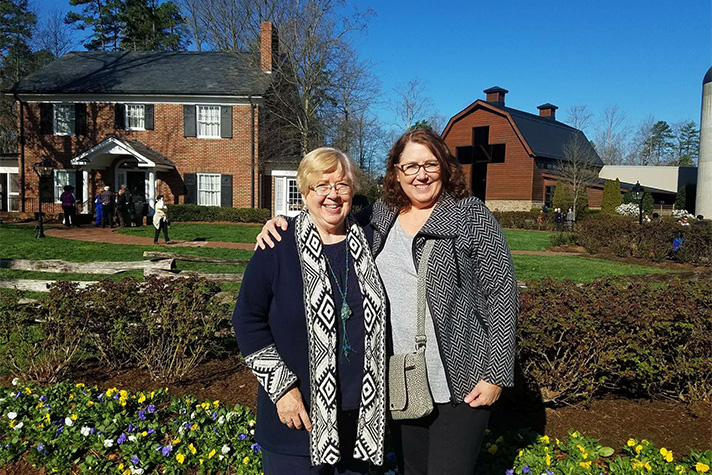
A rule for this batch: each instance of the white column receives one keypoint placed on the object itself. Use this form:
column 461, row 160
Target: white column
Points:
column 88, row 200
column 151, row 192
column 703, row 203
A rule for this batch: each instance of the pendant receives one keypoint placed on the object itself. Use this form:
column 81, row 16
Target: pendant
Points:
column 345, row 311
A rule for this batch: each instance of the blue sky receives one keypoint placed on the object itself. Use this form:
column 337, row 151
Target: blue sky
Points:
column 647, row 57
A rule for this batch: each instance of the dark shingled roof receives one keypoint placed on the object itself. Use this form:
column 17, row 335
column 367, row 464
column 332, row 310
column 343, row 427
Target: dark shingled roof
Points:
column 147, row 152
column 548, row 137
column 147, row 72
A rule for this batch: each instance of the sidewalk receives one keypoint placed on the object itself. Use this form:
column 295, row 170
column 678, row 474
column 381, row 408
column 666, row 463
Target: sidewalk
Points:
column 91, row 233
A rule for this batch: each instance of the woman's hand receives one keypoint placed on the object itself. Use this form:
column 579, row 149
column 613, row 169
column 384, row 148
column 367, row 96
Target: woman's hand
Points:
column 270, row 228
column 292, row 412
column 484, row 394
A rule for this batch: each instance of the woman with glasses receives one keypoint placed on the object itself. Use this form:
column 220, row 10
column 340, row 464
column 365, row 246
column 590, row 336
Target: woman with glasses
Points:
column 471, row 295
column 310, row 323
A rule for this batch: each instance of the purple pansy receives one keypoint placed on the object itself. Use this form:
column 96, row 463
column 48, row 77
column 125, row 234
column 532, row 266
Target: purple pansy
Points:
column 151, row 409
column 131, row 428
column 166, row 451
column 122, row 438
column 151, row 431
column 43, row 398
column 509, row 472
column 525, row 469
column 187, row 425
column 40, row 447
column 214, row 415
column 242, row 436
column 60, row 430
column 142, row 415
column 183, row 411
column 135, row 460
column 256, row 447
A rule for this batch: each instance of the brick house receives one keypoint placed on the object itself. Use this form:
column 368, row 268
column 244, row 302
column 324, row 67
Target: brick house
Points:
column 182, row 124
column 512, row 158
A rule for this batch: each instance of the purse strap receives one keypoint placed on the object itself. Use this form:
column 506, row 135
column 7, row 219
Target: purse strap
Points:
column 420, row 338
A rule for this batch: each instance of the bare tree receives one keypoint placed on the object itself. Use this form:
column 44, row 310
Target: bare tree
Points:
column 193, row 15
column 370, row 145
column 578, row 116
column 55, row 36
column 612, row 136
column 411, row 103
column 578, row 169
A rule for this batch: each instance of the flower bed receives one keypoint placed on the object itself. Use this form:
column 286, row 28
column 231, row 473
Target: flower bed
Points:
column 68, row 426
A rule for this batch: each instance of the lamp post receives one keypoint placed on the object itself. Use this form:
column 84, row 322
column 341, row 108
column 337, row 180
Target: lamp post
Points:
column 44, row 170
column 638, row 193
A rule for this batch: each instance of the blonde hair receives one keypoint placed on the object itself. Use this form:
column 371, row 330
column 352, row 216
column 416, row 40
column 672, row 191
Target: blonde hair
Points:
column 325, row 160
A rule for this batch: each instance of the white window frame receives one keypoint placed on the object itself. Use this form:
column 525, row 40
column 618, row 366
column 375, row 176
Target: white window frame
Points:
column 294, row 197
column 70, row 111
column 137, row 113
column 13, row 194
column 210, row 183
column 216, row 122
column 69, row 178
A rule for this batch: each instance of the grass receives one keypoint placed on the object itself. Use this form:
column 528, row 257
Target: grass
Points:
column 521, row 240
column 577, row 269
column 201, row 232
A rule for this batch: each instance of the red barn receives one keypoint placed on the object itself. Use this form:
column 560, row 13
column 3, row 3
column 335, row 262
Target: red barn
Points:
column 513, row 159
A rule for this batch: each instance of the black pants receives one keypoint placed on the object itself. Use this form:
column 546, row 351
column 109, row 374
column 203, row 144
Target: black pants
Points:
column 69, row 215
column 162, row 226
column 444, row 443
column 107, row 215
column 283, row 464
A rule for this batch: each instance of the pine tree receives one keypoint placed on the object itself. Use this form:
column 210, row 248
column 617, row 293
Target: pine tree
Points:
column 562, row 196
column 102, row 17
column 607, row 198
column 681, row 198
column 151, row 27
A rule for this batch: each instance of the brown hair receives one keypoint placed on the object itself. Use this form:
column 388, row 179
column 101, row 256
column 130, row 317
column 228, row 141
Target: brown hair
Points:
column 451, row 174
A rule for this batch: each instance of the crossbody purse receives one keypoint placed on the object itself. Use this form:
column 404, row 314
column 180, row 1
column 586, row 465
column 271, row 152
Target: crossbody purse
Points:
column 408, row 390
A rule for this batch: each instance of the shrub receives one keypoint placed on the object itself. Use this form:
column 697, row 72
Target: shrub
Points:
column 523, row 219
column 630, row 340
column 562, row 239
column 182, row 213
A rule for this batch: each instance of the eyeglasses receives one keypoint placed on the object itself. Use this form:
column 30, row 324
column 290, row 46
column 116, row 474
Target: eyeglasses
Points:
column 410, row 169
column 324, row 189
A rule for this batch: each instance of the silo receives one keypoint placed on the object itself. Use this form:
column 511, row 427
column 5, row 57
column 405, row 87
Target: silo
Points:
column 703, row 204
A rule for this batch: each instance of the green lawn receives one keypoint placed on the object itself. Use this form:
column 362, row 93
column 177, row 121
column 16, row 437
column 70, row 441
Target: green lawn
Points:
column 521, row 240
column 201, row 232
column 577, row 269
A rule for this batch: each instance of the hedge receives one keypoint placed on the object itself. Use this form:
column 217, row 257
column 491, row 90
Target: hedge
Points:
column 575, row 342
column 183, row 213
column 654, row 241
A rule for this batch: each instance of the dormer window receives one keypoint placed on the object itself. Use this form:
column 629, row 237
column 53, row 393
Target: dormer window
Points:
column 64, row 119
column 135, row 117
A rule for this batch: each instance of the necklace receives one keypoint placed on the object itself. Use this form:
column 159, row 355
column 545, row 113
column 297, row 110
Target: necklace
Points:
column 345, row 311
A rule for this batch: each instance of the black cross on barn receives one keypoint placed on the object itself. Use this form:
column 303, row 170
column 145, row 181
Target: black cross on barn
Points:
column 478, row 155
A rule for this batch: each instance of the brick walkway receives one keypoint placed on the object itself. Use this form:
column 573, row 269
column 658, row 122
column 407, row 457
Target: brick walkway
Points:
column 93, row 234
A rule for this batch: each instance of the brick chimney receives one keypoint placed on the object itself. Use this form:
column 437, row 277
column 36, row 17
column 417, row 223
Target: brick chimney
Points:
column 547, row 110
column 495, row 95
column 269, row 46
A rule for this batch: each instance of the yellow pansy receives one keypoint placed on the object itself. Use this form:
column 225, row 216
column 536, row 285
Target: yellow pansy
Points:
column 71, row 396
column 638, row 448
column 631, row 442
column 644, row 442
column 79, row 385
column 180, row 458
column 211, row 454
column 246, row 460
column 175, row 441
column 575, row 435
column 90, row 403
column 544, row 439
column 194, row 427
column 127, row 472
column 121, row 466
column 141, row 397
column 680, row 468
column 521, row 452
column 585, row 465
column 648, row 467
column 548, row 460
column 201, row 461
column 12, row 424
column 110, row 392
column 192, row 449
column 702, row 468
column 28, row 390
column 583, row 451
column 667, row 454
column 47, row 417
column 144, row 433
column 152, row 394
column 216, row 403
column 73, row 417
column 492, row 449
column 39, row 405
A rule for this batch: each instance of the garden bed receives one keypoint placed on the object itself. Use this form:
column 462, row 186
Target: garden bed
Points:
column 675, row 425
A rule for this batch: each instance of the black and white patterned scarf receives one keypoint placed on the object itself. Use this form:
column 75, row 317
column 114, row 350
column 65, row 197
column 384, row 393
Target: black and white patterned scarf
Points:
column 321, row 318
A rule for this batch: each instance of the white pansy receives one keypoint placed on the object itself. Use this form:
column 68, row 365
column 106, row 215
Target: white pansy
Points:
column 192, row 416
column 11, row 415
column 136, row 471
column 68, row 422
column 252, row 432
column 85, row 431
column 221, row 420
column 15, row 381
column 133, row 438
column 181, row 429
column 221, row 457
column 108, row 443
column 225, row 449
column 18, row 426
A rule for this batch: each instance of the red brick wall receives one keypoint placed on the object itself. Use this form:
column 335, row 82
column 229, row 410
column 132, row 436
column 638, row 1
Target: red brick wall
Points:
column 511, row 180
column 190, row 154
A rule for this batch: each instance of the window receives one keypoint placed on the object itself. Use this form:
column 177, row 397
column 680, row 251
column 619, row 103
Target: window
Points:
column 63, row 178
column 294, row 198
column 549, row 196
column 63, row 119
column 208, row 121
column 14, row 192
column 209, row 189
column 135, row 117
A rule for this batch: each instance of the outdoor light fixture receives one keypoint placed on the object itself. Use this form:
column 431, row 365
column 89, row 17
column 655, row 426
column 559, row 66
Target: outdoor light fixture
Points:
column 638, row 193
column 43, row 170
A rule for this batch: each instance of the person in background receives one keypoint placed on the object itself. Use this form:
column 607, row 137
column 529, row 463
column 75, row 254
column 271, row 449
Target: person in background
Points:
column 99, row 210
column 656, row 217
column 121, row 206
column 160, row 220
column 701, row 221
column 107, row 207
column 310, row 322
column 570, row 220
column 540, row 219
column 69, row 205
column 684, row 221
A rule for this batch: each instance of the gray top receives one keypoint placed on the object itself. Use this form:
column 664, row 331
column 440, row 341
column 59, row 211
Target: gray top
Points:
column 400, row 278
